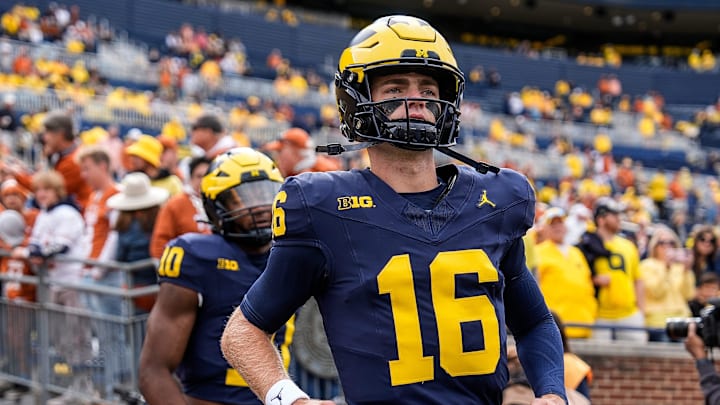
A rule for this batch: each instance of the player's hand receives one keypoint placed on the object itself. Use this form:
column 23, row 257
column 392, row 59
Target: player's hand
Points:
column 19, row 252
column 601, row 280
column 548, row 399
column 694, row 343
column 313, row 402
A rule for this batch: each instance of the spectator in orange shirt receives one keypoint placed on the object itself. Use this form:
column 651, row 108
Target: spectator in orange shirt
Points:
column 183, row 212
column 23, row 64
column 274, row 59
column 676, row 188
column 60, row 146
column 100, row 241
column 625, row 176
column 295, row 154
column 14, row 197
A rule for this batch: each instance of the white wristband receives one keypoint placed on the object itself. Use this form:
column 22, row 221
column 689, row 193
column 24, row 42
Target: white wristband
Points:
column 284, row 392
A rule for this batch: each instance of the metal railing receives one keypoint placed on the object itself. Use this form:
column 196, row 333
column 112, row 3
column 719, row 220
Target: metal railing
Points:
column 80, row 351
column 92, row 355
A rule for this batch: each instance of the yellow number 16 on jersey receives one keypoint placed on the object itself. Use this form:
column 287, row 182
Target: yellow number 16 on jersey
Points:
column 396, row 279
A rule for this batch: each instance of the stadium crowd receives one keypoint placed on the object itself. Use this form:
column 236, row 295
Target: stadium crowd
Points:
column 102, row 194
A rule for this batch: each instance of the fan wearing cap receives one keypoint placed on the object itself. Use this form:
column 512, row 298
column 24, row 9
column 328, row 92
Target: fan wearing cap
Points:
column 209, row 136
column 138, row 204
column 564, row 275
column 144, row 155
column 295, row 153
column 615, row 265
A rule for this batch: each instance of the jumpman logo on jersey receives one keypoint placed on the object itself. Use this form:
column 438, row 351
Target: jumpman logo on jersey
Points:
column 278, row 397
column 484, row 200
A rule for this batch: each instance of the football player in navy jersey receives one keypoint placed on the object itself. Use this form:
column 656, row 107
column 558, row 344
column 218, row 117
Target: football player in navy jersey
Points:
column 203, row 278
column 416, row 270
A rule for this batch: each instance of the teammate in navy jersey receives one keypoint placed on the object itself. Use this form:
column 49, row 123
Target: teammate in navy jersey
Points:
column 416, row 270
column 203, row 278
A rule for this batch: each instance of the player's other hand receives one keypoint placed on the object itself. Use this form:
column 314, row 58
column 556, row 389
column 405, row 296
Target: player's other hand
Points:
column 601, row 280
column 549, row 399
column 694, row 343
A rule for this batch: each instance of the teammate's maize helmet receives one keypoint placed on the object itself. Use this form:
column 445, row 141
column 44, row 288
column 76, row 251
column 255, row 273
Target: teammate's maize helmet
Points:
column 398, row 44
column 240, row 183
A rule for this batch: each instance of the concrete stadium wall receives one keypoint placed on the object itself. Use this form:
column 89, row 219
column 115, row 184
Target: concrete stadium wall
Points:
column 640, row 374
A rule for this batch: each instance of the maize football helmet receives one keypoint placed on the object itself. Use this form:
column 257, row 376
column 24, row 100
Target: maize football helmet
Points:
column 238, row 192
column 391, row 45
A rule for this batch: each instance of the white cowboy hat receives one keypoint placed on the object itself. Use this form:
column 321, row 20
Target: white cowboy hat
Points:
column 137, row 194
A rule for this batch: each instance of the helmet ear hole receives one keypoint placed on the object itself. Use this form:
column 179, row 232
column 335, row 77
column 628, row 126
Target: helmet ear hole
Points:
column 361, row 125
column 348, row 76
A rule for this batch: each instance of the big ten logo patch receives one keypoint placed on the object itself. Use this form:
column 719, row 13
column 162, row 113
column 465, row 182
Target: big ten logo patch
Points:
column 350, row 202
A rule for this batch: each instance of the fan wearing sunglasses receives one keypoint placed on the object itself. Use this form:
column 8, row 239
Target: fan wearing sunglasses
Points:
column 704, row 252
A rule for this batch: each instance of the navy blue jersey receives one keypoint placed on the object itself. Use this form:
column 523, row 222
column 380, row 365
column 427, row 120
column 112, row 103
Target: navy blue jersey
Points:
column 220, row 273
column 412, row 299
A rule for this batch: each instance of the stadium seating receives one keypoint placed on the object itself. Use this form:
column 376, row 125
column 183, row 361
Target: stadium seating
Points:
column 309, row 45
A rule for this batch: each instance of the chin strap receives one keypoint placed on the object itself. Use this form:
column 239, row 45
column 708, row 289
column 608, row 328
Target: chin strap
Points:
column 481, row 167
column 336, row 148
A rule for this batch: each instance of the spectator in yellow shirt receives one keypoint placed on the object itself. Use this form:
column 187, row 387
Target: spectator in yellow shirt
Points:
column 564, row 275
column 669, row 281
column 694, row 60
column 211, row 74
column 707, row 61
column 614, row 262
column 658, row 190
column 10, row 23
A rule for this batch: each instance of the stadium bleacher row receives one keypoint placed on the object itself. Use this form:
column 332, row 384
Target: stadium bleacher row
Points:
column 672, row 148
column 317, row 46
